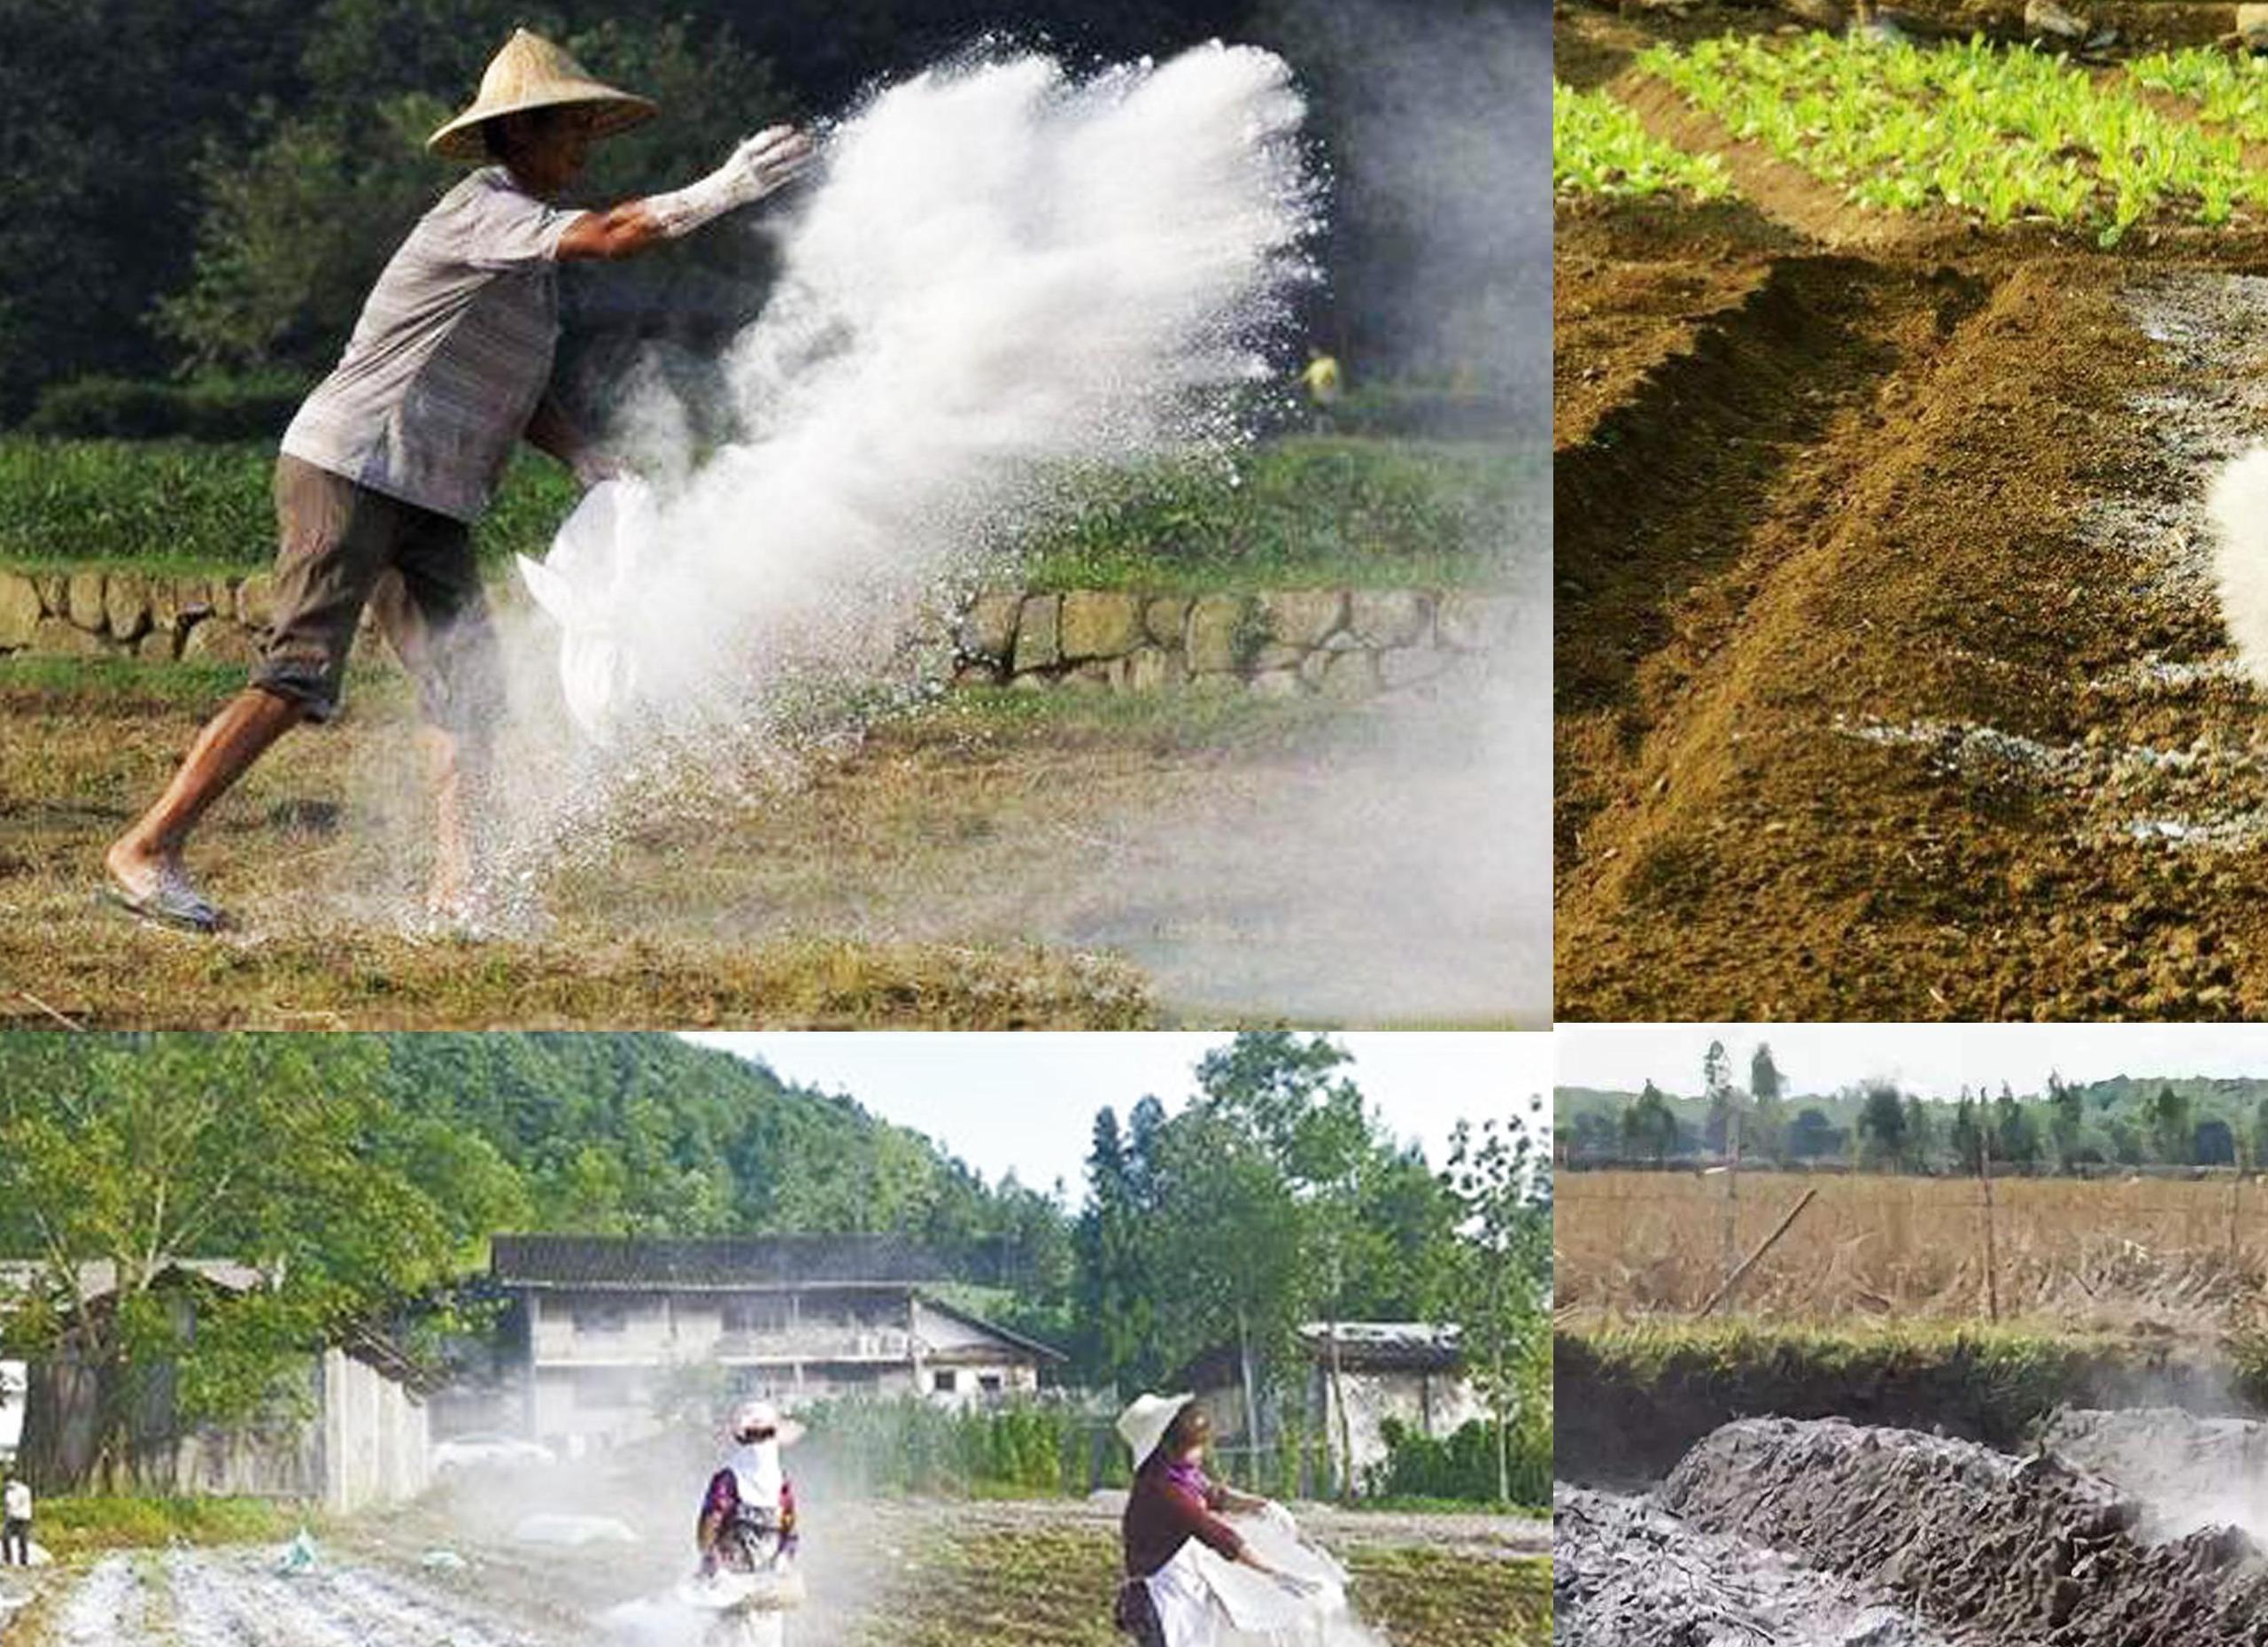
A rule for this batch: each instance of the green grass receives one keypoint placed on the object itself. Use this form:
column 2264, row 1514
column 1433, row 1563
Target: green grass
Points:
column 70, row 1526
column 1305, row 509
column 1599, row 147
column 1993, row 1381
column 198, row 509
column 1324, row 509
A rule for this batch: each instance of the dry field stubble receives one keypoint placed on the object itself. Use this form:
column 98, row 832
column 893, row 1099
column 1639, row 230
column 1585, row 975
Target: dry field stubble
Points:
column 2147, row 1253
column 926, row 879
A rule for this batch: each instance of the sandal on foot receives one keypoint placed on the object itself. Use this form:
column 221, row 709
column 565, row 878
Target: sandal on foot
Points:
column 171, row 902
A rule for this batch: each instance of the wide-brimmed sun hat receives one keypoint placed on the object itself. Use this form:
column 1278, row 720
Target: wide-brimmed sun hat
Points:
column 1145, row 1423
column 531, row 73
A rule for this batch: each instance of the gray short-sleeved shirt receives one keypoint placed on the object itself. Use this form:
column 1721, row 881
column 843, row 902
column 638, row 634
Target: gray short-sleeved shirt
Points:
column 451, row 355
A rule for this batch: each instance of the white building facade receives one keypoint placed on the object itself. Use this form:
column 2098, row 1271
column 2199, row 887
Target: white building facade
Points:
column 611, row 1333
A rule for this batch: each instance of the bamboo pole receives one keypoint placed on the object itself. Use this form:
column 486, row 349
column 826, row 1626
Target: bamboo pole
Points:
column 1769, row 1241
column 1991, row 1256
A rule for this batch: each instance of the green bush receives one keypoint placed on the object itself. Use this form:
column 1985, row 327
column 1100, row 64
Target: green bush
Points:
column 1463, row 1466
column 907, row 1445
column 210, row 409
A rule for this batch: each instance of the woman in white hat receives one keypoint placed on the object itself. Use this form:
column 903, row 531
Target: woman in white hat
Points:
column 396, row 452
column 1174, row 1511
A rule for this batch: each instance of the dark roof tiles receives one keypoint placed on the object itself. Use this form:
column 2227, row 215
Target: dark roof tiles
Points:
column 733, row 1261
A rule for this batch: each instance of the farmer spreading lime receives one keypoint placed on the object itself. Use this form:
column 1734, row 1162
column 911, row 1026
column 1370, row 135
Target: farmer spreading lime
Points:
column 1170, row 1596
column 399, row 451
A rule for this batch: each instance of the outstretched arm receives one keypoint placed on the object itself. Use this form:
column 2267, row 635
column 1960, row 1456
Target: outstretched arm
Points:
column 765, row 162
column 624, row 231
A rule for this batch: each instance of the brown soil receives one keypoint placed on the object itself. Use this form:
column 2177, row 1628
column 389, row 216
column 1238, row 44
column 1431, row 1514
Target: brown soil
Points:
column 1888, row 684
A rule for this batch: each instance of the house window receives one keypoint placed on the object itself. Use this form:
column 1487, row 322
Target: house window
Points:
column 755, row 1314
column 599, row 1316
column 945, row 1381
column 988, row 1382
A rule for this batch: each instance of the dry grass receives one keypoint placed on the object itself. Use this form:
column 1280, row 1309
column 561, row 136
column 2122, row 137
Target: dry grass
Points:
column 2113, row 1254
column 923, row 880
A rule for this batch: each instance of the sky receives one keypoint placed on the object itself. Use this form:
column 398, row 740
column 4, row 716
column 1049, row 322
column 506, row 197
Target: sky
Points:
column 1026, row 1101
column 1934, row 1059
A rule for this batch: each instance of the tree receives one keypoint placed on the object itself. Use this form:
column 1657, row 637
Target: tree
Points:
column 1882, row 1123
column 1967, row 1135
column 1116, row 1338
column 2066, row 1117
column 1921, row 1133
column 1649, row 1129
column 295, row 227
column 1720, row 1131
column 2214, row 1144
column 1503, row 1187
column 1768, row 1087
column 127, row 1162
column 2170, row 1127
column 1813, row 1137
column 2016, row 1135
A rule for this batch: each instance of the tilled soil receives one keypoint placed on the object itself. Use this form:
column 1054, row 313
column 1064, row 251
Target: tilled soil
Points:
column 2022, row 1552
column 1890, row 679
column 237, row 1599
column 881, row 1575
column 1627, row 1573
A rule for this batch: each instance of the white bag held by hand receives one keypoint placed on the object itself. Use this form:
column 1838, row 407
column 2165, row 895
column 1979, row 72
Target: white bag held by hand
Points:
column 1261, row 1610
column 588, row 586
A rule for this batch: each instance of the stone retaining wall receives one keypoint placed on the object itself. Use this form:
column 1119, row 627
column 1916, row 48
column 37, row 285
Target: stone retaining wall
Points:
column 96, row 614
column 1284, row 643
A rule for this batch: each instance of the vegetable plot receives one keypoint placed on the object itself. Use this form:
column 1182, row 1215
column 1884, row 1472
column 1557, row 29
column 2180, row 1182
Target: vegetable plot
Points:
column 2228, row 91
column 2006, row 135
column 1600, row 148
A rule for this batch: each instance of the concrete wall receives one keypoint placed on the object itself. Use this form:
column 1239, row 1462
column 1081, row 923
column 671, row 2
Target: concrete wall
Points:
column 365, row 1442
column 376, row 1434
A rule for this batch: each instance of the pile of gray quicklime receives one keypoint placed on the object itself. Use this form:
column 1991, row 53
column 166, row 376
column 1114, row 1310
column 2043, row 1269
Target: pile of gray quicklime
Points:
column 2024, row 1552
column 2189, row 1472
column 1627, row 1573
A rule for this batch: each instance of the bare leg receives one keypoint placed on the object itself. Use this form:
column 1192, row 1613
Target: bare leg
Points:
column 460, row 768
column 223, row 752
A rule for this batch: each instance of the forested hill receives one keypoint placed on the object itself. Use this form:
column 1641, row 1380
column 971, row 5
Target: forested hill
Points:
column 648, row 1134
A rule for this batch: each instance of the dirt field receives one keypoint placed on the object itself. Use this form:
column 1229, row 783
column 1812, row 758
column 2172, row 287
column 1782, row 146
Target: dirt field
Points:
column 1890, row 681
column 880, row 1575
column 2111, row 1256
column 983, row 863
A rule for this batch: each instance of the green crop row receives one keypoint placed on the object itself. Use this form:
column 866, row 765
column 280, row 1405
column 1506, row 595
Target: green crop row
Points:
column 2230, row 92
column 2002, row 134
column 1600, row 148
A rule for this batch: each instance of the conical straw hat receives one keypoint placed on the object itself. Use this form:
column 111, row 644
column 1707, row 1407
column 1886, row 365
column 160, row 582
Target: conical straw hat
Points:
column 530, row 73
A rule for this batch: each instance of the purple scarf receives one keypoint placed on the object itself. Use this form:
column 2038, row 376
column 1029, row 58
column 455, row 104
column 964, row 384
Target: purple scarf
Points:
column 1185, row 1474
